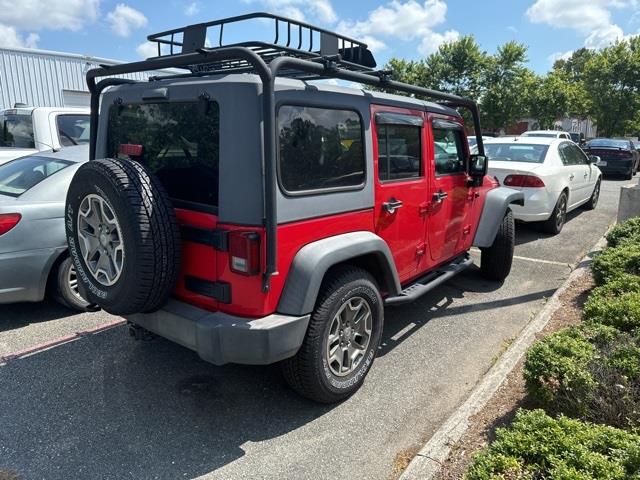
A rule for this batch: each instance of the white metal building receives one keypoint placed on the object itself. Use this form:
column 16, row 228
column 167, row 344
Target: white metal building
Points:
column 42, row 78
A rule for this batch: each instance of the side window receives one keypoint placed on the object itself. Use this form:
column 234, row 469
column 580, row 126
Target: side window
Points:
column 320, row 149
column 73, row 129
column 449, row 151
column 578, row 155
column 572, row 154
column 399, row 152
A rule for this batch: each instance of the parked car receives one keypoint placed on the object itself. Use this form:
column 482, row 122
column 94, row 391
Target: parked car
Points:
column 27, row 130
column 554, row 174
column 617, row 156
column 547, row 134
column 578, row 138
column 472, row 140
column 285, row 249
column 34, row 259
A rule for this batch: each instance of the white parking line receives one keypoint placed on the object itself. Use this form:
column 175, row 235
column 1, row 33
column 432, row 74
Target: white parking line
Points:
column 535, row 260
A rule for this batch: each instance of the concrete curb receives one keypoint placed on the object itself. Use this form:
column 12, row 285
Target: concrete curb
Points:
column 428, row 460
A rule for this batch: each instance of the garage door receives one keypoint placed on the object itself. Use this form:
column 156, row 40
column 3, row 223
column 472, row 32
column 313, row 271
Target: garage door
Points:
column 75, row 98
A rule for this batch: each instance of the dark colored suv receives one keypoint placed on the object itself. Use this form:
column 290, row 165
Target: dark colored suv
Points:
column 255, row 217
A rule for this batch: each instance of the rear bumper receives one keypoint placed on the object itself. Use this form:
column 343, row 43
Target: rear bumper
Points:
column 220, row 338
column 619, row 167
column 538, row 205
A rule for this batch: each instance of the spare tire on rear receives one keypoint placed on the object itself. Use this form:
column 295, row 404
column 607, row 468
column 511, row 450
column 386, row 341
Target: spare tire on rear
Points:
column 123, row 236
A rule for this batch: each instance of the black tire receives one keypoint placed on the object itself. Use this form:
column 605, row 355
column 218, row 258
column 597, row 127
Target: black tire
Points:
column 629, row 175
column 64, row 292
column 595, row 196
column 496, row 261
column 150, row 237
column 558, row 217
column 310, row 372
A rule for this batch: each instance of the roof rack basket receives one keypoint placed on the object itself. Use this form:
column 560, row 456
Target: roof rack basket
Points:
column 292, row 38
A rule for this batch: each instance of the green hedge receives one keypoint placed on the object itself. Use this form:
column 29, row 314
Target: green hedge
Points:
column 615, row 262
column 537, row 446
column 624, row 232
column 616, row 303
column 591, row 372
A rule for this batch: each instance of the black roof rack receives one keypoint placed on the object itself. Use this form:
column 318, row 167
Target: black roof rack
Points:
column 291, row 38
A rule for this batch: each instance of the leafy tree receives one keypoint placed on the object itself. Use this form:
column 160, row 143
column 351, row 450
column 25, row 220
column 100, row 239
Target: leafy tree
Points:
column 549, row 98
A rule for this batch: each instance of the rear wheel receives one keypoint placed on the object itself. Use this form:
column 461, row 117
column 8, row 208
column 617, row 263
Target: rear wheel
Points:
column 495, row 261
column 558, row 216
column 595, row 196
column 629, row 175
column 66, row 290
column 342, row 338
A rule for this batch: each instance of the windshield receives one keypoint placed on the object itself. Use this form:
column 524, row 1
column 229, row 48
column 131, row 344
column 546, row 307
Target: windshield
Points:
column 608, row 143
column 16, row 131
column 18, row 176
column 516, row 152
column 540, row 135
column 73, row 129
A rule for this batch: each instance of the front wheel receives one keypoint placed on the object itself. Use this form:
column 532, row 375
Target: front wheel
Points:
column 495, row 261
column 342, row 338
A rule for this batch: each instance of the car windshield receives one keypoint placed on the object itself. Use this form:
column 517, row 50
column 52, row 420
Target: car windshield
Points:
column 18, row 176
column 73, row 129
column 16, row 130
column 607, row 143
column 516, row 152
column 540, row 135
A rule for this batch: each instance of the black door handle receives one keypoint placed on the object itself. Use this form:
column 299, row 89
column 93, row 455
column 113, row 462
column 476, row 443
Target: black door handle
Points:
column 391, row 205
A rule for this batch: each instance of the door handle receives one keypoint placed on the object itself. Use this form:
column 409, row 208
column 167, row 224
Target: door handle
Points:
column 586, row 175
column 439, row 196
column 572, row 176
column 391, row 205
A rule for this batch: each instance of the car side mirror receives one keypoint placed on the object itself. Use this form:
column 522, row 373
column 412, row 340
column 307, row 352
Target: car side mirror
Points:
column 478, row 165
column 594, row 159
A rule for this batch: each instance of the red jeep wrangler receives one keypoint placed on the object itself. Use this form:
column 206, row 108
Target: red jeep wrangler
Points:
column 254, row 217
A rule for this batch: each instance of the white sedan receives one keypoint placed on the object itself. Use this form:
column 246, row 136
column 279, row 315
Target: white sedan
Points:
column 554, row 174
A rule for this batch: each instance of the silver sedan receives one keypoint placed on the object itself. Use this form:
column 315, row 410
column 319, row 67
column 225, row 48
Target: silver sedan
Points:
column 33, row 246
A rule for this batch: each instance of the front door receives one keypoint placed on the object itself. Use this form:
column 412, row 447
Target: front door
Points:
column 449, row 191
column 401, row 185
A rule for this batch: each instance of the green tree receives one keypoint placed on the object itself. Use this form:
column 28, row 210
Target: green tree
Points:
column 506, row 84
column 549, row 98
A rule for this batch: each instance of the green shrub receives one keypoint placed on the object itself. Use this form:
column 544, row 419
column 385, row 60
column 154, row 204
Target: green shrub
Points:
column 616, row 303
column 591, row 372
column 537, row 446
column 614, row 262
column 624, row 232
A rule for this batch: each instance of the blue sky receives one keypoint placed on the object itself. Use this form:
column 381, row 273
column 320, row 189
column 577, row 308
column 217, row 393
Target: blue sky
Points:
column 402, row 28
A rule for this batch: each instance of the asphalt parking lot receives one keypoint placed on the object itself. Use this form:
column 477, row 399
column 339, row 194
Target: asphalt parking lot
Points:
column 106, row 406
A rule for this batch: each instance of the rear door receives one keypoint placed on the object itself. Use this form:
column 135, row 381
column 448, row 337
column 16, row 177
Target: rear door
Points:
column 450, row 193
column 576, row 172
column 401, row 186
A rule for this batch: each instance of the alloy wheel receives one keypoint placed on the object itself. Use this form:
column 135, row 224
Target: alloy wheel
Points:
column 561, row 214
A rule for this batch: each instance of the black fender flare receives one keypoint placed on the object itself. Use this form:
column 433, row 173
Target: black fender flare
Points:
column 312, row 262
column 495, row 207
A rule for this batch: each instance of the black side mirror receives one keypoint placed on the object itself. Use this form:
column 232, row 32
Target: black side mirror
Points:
column 478, row 166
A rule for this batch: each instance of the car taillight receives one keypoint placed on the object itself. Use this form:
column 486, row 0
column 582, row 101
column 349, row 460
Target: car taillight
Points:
column 130, row 149
column 8, row 221
column 244, row 252
column 523, row 181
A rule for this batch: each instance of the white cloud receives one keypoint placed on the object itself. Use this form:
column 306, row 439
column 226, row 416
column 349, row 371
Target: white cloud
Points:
column 554, row 57
column 593, row 20
column 147, row 49
column 320, row 10
column 48, row 14
column 405, row 20
column 123, row 19
column 10, row 38
column 192, row 9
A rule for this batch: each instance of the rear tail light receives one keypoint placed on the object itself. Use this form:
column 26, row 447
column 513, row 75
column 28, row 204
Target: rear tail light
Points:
column 244, row 253
column 523, row 181
column 8, row 221
column 130, row 149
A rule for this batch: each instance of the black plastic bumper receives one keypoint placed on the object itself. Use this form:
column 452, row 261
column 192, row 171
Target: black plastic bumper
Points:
column 220, row 338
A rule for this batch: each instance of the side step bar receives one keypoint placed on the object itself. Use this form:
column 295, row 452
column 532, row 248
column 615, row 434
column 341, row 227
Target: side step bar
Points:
column 430, row 281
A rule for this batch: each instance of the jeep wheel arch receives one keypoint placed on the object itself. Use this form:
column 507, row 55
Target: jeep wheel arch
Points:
column 495, row 207
column 311, row 263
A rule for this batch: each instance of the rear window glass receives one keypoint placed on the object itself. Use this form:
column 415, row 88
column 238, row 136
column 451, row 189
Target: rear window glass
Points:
column 320, row 149
column 180, row 145
column 16, row 131
column 73, row 129
column 22, row 174
column 516, row 152
column 607, row 143
column 540, row 135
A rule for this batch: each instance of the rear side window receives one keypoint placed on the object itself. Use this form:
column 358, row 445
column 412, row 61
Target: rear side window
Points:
column 449, row 151
column 180, row 145
column 320, row 149
column 398, row 152
column 22, row 174
column 73, row 129
column 17, row 131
